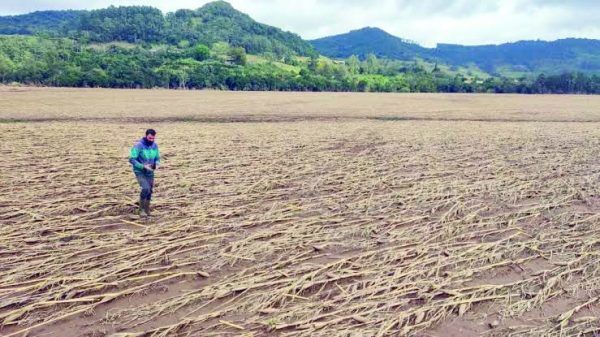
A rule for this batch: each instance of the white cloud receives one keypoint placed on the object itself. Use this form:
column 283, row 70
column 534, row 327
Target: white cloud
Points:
column 425, row 21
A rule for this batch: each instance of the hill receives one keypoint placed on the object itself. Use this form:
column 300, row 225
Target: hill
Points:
column 40, row 21
column 508, row 58
column 218, row 47
column 369, row 40
column 527, row 56
column 219, row 22
column 214, row 22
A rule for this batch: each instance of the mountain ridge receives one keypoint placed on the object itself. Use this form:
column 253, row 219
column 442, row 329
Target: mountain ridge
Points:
column 364, row 40
column 219, row 21
column 568, row 54
column 213, row 22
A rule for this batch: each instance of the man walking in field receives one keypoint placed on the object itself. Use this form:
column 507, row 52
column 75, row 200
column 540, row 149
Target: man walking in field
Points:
column 145, row 158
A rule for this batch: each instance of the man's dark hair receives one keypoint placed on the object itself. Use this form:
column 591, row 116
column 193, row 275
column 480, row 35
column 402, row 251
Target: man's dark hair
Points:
column 151, row 132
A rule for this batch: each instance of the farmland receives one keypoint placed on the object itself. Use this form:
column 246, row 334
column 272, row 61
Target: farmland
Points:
column 300, row 214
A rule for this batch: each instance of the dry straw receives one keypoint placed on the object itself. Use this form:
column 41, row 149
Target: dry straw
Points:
column 353, row 228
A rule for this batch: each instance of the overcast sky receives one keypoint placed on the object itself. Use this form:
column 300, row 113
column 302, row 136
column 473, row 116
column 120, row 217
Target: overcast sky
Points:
column 424, row 21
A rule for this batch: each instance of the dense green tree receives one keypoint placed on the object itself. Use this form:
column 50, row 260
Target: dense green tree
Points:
column 6, row 67
column 200, row 52
column 313, row 63
column 40, row 60
column 371, row 64
column 353, row 64
column 131, row 24
column 237, row 55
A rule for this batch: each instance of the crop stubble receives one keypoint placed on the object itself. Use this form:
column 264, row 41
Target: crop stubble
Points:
column 312, row 227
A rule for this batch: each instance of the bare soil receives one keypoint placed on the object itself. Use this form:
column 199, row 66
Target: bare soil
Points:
column 300, row 214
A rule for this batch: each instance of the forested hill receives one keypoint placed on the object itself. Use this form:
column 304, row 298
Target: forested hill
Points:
column 218, row 47
column 508, row 59
column 370, row 40
column 41, row 21
column 548, row 57
column 214, row 22
column 219, row 22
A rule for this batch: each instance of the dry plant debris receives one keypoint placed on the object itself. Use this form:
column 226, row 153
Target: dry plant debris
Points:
column 306, row 228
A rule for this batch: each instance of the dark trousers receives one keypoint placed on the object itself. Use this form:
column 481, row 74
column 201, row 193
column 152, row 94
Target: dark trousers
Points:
column 146, row 182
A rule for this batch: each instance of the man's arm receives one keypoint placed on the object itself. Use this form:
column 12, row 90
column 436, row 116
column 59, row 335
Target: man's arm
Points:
column 133, row 158
column 157, row 159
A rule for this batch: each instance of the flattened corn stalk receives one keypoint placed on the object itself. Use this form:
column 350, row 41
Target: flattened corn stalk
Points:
column 375, row 228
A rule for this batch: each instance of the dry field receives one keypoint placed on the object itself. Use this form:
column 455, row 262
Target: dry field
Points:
column 300, row 214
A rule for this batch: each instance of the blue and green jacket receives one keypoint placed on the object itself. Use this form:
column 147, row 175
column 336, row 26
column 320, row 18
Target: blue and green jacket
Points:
column 142, row 153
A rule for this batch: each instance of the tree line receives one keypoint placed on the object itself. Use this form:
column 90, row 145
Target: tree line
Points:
column 45, row 61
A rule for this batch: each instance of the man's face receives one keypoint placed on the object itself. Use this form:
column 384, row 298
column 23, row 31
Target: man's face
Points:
column 150, row 138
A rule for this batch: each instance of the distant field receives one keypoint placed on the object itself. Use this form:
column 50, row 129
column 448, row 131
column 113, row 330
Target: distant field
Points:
column 170, row 105
column 300, row 214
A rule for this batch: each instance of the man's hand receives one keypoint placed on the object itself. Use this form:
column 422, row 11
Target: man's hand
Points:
column 148, row 167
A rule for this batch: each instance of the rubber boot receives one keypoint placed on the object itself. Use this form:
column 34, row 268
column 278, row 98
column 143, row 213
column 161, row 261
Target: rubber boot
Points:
column 147, row 207
column 142, row 209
